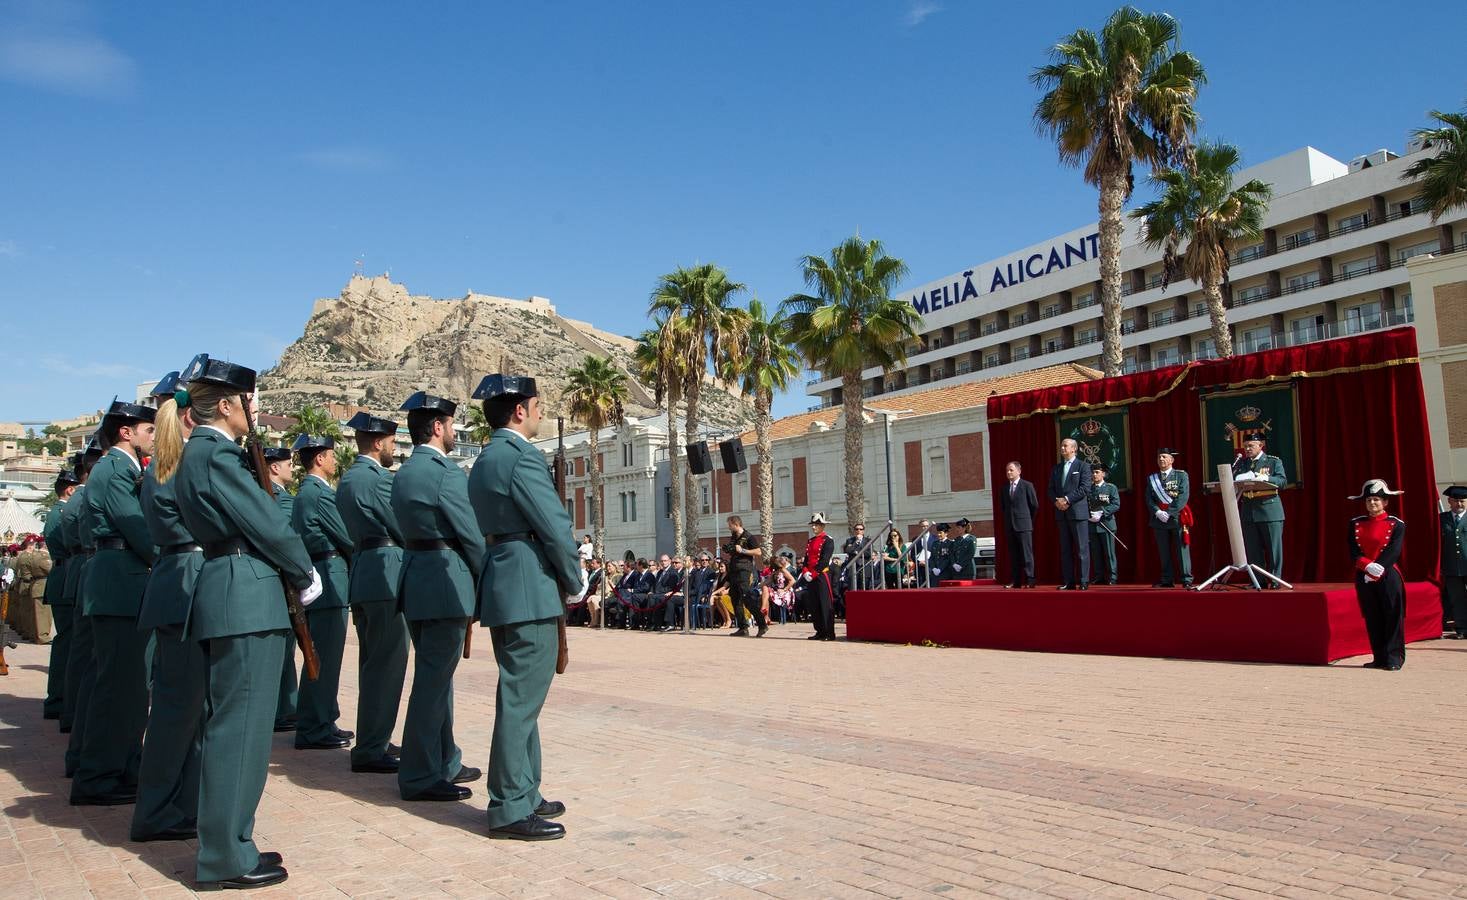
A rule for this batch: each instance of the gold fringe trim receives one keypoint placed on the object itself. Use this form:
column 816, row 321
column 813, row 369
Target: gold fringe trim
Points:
column 1343, row 370
column 1107, row 404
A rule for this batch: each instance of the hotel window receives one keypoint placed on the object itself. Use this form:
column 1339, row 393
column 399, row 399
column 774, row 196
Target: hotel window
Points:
column 1051, row 310
column 1309, row 328
column 1087, row 336
column 1128, row 365
column 964, row 367
column 1019, row 319
column 937, row 471
column 1352, row 223
column 1303, row 282
column 1255, row 339
column 1410, row 207
column 964, row 335
column 1199, row 309
column 990, row 328
column 1154, row 281
column 1128, row 326
column 1021, row 353
column 1421, row 249
column 784, row 487
column 1364, row 317
column 1249, row 295
column 936, row 342
column 1165, row 317
column 1357, row 267
column 1299, row 239
column 990, row 360
column 1252, row 251
column 1053, row 345
column 1164, row 356
column 1204, row 348
column 1084, row 300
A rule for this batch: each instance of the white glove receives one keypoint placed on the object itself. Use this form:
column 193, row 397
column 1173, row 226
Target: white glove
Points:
column 1163, row 516
column 7, row 578
column 309, row 594
column 1375, row 570
column 805, row 576
column 1095, row 517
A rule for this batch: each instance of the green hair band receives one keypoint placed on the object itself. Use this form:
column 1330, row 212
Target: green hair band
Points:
column 180, row 397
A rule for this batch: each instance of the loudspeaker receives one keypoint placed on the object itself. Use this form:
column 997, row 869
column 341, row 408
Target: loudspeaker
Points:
column 699, row 460
column 733, row 455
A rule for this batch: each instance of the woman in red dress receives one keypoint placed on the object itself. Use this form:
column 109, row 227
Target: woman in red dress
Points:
column 1376, row 540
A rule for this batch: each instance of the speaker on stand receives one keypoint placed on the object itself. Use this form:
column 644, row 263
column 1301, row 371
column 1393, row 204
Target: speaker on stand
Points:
column 733, row 455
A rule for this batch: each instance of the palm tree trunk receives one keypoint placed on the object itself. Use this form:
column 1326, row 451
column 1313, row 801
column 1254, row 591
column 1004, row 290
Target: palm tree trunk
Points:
column 1222, row 335
column 598, row 520
column 674, row 477
column 853, row 403
column 764, row 451
column 692, row 497
column 1112, row 196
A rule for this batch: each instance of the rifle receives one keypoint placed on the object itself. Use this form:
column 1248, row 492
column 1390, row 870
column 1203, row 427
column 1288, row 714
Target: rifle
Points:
column 562, row 650
column 256, row 450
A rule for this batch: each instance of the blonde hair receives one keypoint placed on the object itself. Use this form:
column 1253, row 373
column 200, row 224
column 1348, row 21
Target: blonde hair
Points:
column 167, row 441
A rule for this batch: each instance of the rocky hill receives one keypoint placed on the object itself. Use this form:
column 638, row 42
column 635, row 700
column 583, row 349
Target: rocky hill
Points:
column 375, row 344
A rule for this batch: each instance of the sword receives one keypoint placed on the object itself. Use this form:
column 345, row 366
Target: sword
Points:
column 1113, row 534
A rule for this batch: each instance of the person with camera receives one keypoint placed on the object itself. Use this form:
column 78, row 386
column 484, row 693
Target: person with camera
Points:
column 743, row 554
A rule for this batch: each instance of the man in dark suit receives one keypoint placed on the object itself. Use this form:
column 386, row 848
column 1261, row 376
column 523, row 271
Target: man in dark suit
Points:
column 924, row 545
column 669, row 590
column 1069, row 491
column 1018, row 503
column 1454, row 563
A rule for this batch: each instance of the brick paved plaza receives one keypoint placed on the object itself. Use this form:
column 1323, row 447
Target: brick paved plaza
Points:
column 709, row 767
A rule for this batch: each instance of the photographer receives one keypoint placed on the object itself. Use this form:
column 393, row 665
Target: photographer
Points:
column 743, row 561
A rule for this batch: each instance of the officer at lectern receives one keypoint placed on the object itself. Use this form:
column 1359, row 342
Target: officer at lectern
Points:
column 1259, row 476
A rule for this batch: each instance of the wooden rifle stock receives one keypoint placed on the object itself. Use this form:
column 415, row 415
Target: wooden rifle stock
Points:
column 562, row 650
column 292, row 597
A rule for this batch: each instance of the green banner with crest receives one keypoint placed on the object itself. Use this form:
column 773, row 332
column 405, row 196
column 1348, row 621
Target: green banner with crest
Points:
column 1104, row 439
column 1230, row 417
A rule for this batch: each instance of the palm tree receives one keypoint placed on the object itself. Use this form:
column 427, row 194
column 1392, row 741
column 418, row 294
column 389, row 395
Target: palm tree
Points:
column 594, row 394
column 315, row 421
column 659, row 361
column 769, row 364
column 701, row 299
column 479, row 428
column 851, row 322
column 1202, row 209
column 1121, row 97
column 1444, row 174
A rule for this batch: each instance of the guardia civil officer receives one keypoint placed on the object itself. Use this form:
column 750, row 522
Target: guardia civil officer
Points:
column 1104, row 502
column 1454, row 563
column 532, row 564
column 238, row 614
column 364, row 500
column 964, row 551
column 80, row 670
column 1261, row 512
column 168, row 781
column 61, row 612
column 443, row 556
column 277, row 462
column 1376, row 541
column 112, row 740
column 1167, row 492
column 316, row 520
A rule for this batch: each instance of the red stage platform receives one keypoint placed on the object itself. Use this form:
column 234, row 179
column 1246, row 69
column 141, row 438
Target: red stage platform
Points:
column 1312, row 624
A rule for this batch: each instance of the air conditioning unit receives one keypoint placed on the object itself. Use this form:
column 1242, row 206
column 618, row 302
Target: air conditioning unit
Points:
column 1416, row 145
column 1371, row 159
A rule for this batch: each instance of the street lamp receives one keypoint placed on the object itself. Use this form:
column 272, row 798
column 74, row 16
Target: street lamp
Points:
column 886, row 416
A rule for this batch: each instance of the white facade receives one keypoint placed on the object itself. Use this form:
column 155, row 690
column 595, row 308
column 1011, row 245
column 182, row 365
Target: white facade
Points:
column 1331, row 263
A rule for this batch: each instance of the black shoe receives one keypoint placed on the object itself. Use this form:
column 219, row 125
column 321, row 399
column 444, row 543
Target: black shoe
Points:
column 1112, row 581
column 260, row 876
column 271, row 858
column 550, row 809
column 530, row 828
column 1163, row 584
column 1084, row 586
column 1392, row 667
column 443, row 790
column 331, row 743
column 283, row 726
column 817, row 636
column 382, row 765
column 1457, row 636
column 1031, row 585
column 467, row 774
column 344, row 734
column 742, row 632
column 1065, row 587
column 50, row 715
column 181, row 833
column 1012, row 587
column 119, row 797
column 763, row 630
column 1186, row 583
column 1370, row 665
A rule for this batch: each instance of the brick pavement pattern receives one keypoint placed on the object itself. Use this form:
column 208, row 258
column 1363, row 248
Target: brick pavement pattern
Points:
column 704, row 767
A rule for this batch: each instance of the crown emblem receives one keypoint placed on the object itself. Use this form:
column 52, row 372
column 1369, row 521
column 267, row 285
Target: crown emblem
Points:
column 1249, row 413
column 1090, row 428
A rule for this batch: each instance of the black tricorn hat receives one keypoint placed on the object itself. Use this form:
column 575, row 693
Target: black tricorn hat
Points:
column 1169, row 451
column 122, row 411
column 963, row 522
column 94, row 446
column 365, row 423
column 66, row 477
column 1455, row 492
column 166, row 387
column 944, row 526
column 423, row 401
column 520, row 386
column 309, row 443
column 217, row 371
column 276, row 454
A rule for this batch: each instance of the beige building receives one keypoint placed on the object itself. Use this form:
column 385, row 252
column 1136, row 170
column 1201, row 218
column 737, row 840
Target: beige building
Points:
column 1439, row 284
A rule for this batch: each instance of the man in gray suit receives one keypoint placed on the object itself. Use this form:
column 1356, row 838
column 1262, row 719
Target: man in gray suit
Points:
column 1069, row 491
column 1018, row 503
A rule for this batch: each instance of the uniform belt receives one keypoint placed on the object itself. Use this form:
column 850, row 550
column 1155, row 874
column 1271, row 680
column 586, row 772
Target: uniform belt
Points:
column 185, row 547
column 322, row 557
column 230, row 547
column 526, row 536
column 375, row 543
column 435, row 544
column 111, row 543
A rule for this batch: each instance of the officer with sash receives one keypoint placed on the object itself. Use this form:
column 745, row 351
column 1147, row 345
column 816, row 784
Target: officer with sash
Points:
column 277, row 461
column 1261, row 511
column 1104, row 503
column 1453, row 522
column 112, row 595
column 532, row 564
column 168, row 780
column 443, row 555
column 1167, row 492
column 239, row 614
column 81, row 671
column 364, row 500
column 815, row 574
column 61, row 612
column 316, row 520
column 964, row 552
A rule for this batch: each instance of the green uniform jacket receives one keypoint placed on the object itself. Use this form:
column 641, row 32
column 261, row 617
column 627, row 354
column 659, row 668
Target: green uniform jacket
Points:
column 56, row 546
column 964, row 551
column 512, row 493
column 117, row 578
column 1454, row 545
column 319, row 525
column 171, row 586
column 430, row 497
column 364, row 500
column 220, row 500
column 286, row 500
column 1263, row 509
column 71, row 537
column 1106, row 498
column 1178, row 488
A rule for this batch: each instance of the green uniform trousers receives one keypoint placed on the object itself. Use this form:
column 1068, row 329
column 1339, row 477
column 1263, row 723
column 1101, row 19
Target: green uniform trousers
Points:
column 1102, row 554
column 286, row 698
column 1168, row 540
column 429, row 754
column 62, row 617
column 81, row 677
column 235, row 758
column 168, row 780
column 117, row 715
column 526, row 654
column 316, row 708
column 1264, row 544
column 382, row 639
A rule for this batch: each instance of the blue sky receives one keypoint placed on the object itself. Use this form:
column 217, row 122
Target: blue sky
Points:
column 183, row 177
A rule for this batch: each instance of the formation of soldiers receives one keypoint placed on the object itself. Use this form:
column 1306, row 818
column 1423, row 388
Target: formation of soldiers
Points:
column 182, row 565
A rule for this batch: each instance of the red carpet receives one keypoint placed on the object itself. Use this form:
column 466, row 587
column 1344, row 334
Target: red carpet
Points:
column 1314, row 623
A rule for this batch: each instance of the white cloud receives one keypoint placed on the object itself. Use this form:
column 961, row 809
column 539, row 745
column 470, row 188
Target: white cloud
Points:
column 72, row 63
column 348, row 159
column 82, row 368
column 918, row 11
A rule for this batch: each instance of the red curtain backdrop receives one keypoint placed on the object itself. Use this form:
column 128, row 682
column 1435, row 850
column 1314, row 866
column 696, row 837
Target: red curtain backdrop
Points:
column 1362, row 414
